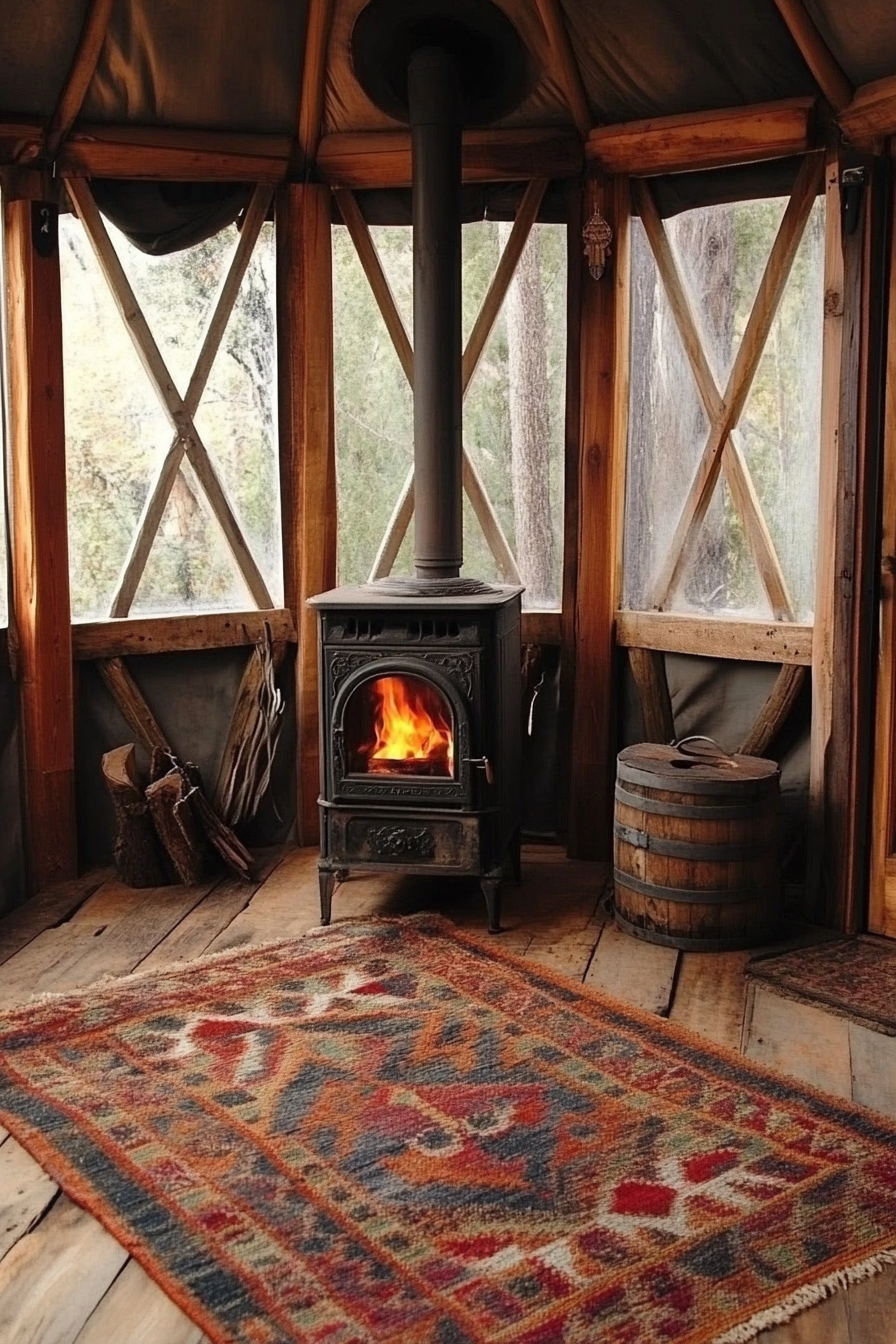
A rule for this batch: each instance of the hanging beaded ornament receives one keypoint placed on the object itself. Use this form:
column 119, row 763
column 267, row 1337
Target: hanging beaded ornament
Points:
column 597, row 237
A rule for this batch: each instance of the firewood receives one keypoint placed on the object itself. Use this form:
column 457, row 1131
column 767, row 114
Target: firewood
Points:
column 169, row 800
column 139, row 859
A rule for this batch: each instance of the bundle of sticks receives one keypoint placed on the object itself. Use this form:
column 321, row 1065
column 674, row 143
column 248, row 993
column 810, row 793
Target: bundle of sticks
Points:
column 167, row 831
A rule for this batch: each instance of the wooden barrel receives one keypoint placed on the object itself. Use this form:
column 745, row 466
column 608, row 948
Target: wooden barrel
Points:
column 696, row 848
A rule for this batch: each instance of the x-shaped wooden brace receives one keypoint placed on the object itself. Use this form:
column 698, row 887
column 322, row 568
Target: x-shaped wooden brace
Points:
column 488, row 315
column 724, row 409
column 179, row 410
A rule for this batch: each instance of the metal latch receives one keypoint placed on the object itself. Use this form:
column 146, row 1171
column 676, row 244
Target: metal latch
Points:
column 484, row 764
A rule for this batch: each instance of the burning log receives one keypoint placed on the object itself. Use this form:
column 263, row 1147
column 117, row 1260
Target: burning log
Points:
column 138, row 858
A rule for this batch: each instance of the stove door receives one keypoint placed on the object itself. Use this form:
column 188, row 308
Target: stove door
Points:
column 400, row 731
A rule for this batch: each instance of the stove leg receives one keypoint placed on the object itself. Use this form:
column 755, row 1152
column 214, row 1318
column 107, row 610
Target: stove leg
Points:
column 327, row 883
column 491, row 890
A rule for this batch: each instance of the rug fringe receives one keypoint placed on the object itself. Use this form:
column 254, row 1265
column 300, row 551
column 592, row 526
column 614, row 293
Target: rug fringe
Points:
column 810, row 1295
column 109, row 980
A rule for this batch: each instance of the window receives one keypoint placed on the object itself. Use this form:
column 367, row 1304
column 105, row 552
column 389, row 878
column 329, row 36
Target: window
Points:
column 744, row 545
column 513, row 413
column 154, row 528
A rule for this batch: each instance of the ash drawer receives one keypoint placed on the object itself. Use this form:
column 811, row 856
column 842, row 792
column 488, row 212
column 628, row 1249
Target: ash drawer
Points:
column 450, row 842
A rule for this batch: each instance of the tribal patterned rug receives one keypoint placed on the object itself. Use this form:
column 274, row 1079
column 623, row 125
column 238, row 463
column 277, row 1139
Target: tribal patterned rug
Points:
column 855, row 977
column 386, row 1132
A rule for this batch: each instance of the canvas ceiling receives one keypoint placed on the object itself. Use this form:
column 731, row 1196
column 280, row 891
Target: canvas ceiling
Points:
column 234, row 64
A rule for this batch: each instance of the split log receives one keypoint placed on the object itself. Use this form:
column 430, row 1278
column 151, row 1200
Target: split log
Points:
column 138, row 858
column 176, row 824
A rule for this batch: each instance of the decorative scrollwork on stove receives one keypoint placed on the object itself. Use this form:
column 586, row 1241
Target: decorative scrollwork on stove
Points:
column 458, row 667
column 432, row 791
column 399, row 842
column 343, row 664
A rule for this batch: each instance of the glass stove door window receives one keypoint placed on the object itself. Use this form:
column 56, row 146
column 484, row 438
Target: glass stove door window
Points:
column 400, row 725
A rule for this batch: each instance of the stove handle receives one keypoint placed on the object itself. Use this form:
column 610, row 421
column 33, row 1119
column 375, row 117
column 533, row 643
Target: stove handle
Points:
column 484, row 764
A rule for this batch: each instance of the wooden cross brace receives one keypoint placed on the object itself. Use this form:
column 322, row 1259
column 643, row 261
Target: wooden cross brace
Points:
column 482, row 329
column 179, row 410
column 725, row 409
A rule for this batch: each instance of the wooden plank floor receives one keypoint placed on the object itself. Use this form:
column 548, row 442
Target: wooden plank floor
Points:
column 64, row 1280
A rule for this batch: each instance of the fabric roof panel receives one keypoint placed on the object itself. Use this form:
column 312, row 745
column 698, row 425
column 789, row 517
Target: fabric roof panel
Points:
column 221, row 64
column 860, row 33
column 643, row 58
column 37, row 43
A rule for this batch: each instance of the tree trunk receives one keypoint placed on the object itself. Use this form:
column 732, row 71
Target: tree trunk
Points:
column 529, row 426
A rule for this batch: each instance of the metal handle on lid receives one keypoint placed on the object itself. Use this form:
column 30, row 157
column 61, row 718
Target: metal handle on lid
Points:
column 721, row 757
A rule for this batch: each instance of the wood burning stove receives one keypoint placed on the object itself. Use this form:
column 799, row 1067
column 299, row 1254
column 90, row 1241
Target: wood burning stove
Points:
column 420, row 678
column 421, row 754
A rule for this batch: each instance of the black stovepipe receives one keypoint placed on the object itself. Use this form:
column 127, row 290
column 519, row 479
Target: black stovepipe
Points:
column 435, row 99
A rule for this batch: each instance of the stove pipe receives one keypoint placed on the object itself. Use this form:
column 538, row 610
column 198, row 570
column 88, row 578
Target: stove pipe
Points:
column 436, row 116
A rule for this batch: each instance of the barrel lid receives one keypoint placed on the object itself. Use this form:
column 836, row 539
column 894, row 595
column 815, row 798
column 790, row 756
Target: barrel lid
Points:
column 675, row 770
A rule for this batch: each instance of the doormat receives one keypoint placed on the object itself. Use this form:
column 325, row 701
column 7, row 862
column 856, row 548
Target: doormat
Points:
column 853, row 977
column 385, row 1131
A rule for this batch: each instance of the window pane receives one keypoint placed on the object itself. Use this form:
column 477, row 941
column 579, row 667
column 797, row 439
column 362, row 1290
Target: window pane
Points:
column 722, row 252
column 374, row 405
column 513, row 415
column 117, row 434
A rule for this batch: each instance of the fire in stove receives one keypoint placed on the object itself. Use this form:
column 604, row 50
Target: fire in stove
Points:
column 412, row 733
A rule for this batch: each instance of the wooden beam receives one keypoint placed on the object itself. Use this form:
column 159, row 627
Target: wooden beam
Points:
column 566, row 68
column 824, row 656
column 577, row 278
column 602, row 442
column 648, row 668
column 131, row 705
column 81, row 71
column 179, row 634
column 776, row 710
column 872, row 112
column 816, row 53
column 749, row 641
column 697, row 140
column 313, row 83
column 359, row 159
column 173, row 155
column 39, row 580
column 882, row 897
column 307, row 453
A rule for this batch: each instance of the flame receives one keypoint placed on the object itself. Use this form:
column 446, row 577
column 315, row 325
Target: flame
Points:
column 410, row 723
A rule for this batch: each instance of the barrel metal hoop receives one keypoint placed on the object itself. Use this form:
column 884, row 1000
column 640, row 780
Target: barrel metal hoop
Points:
column 748, row 788
column 687, row 849
column 693, row 944
column 661, row 809
column 688, row 895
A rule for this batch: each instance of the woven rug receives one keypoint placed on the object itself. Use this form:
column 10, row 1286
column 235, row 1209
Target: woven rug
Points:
column 387, row 1132
column 854, row 977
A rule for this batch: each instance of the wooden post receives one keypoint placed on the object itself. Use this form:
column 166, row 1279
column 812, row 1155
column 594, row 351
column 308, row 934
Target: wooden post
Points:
column 40, row 537
column 601, row 480
column 840, row 671
column 307, row 453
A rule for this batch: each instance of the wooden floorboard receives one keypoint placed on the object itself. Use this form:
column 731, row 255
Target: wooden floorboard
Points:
column 64, row 1280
